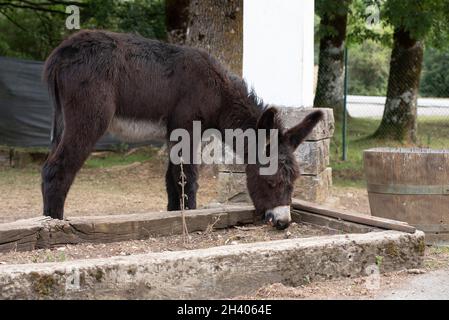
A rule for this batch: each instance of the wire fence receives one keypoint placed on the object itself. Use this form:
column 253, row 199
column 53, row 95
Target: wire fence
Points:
column 364, row 97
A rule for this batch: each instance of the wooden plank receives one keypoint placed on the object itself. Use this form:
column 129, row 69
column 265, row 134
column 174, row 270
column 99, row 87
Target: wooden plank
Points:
column 42, row 232
column 337, row 225
column 20, row 235
column 353, row 217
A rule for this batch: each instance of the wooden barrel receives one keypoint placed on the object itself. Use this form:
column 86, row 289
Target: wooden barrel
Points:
column 412, row 185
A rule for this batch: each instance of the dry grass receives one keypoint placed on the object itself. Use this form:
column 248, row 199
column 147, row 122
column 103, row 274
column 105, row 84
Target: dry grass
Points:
column 198, row 240
column 120, row 189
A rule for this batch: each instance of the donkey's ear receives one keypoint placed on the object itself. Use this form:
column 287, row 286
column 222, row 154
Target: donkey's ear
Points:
column 298, row 133
column 267, row 119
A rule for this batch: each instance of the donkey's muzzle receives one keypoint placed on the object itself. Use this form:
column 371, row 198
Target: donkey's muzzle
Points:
column 278, row 217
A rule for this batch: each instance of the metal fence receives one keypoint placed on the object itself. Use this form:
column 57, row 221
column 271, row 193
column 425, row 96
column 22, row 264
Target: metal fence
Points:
column 364, row 110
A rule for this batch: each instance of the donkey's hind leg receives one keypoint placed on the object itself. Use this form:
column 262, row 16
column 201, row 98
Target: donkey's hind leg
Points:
column 81, row 132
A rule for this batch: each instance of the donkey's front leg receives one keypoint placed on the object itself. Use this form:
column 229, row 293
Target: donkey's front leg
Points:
column 173, row 179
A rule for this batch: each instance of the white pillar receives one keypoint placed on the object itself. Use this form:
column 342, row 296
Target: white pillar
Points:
column 278, row 50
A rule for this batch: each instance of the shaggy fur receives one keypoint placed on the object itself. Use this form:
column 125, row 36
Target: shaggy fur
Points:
column 97, row 77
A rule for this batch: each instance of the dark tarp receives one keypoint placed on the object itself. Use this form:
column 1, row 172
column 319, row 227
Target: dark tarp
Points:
column 26, row 109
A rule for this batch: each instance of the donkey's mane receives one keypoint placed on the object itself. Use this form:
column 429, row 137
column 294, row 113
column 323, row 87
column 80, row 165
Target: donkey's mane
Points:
column 243, row 102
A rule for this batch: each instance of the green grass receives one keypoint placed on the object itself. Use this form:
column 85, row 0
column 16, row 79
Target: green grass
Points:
column 439, row 250
column 96, row 160
column 120, row 158
column 433, row 132
column 24, row 149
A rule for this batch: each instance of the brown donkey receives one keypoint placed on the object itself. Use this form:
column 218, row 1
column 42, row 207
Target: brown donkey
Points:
column 138, row 89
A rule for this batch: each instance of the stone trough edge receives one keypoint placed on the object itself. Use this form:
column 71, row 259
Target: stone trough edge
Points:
column 217, row 272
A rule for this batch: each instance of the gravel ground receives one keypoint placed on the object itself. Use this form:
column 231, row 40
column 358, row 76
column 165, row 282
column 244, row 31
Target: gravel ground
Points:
column 430, row 282
column 133, row 188
column 196, row 240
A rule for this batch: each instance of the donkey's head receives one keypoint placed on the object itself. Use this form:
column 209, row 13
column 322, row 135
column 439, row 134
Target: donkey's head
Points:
column 272, row 193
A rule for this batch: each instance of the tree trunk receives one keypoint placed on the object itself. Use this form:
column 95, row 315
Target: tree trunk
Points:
column 176, row 20
column 213, row 25
column 399, row 121
column 331, row 75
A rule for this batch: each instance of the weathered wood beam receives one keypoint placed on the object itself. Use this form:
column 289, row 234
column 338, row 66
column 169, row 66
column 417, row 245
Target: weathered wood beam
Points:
column 43, row 232
column 353, row 217
column 340, row 226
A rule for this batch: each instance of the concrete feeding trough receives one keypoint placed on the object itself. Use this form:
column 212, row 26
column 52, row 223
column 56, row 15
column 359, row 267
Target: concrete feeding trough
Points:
column 216, row 272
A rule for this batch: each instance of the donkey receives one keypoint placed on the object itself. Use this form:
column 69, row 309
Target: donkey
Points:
column 141, row 89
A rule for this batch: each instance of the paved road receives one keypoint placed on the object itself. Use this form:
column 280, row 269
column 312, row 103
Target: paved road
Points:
column 373, row 107
column 433, row 285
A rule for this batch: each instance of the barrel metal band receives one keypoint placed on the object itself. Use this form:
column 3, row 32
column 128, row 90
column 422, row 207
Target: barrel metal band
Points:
column 408, row 189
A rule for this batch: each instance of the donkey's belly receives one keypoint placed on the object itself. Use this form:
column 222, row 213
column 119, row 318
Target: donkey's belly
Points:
column 131, row 130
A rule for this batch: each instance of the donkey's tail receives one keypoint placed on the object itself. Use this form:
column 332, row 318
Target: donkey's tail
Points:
column 50, row 77
column 58, row 121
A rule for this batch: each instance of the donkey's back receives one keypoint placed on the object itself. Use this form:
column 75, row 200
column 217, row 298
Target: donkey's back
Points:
column 136, row 88
column 144, row 78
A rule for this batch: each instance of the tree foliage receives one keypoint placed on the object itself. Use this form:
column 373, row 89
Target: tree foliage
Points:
column 424, row 19
column 427, row 20
column 435, row 78
column 365, row 23
column 331, row 9
column 32, row 28
column 368, row 66
column 359, row 28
